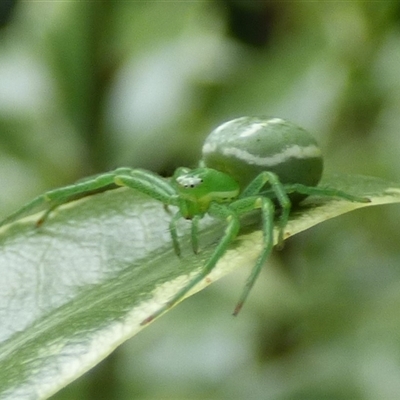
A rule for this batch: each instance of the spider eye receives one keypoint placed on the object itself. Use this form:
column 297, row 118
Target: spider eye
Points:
column 196, row 183
column 189, row 182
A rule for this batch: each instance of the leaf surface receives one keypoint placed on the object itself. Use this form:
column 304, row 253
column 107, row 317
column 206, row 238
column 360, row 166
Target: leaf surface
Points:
column 74, row 289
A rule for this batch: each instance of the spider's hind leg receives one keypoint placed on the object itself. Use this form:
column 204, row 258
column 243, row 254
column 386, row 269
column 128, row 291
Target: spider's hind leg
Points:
column 325, row 192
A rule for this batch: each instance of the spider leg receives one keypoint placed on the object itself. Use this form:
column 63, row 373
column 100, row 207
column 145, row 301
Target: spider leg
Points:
column 148, row 183
column 144, row 181
column 231, row 231
column 36, row 202
column 324, row 191
column 63, row 195
column 156, row 181
column 267, row 213
column 174, row 233
column 279, row 192
column 158, row 189
column 195, row 233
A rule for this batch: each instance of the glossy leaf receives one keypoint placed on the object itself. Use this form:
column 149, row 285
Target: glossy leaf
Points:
column 74, row 289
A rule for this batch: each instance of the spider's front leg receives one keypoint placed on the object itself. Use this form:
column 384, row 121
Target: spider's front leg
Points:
column 267, row 207
column 174, row 232
column 219, row 211
column 158, row 189
column 55, row 198
column 141, row 180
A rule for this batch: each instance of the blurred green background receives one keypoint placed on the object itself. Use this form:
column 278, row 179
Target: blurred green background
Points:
column 90, row 86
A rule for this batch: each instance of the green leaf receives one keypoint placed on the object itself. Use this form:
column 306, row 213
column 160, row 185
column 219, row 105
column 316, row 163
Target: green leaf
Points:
column 74, row 289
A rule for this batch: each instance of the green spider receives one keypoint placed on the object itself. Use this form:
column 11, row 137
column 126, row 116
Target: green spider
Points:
column 248, row 163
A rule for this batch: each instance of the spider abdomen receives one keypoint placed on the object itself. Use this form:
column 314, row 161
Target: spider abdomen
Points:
column 246, row 146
